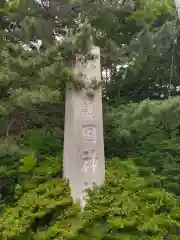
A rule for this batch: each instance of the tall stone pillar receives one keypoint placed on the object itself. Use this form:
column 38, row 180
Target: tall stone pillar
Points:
column 177, row 5
column 83, row 136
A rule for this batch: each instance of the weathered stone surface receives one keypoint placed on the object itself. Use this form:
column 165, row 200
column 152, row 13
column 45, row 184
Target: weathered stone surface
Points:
column 83, row 138
column 177, row 5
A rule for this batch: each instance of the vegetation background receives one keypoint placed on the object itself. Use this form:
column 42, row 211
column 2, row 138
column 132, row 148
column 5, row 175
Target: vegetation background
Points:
column 140, row 54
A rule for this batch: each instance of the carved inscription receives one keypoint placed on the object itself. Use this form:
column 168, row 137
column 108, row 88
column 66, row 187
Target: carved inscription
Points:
column 89, row 133
column 85, row 63
column 81, row 60
column 89, row 161
column 87, row 109
column 92, row 64
column 90, row 79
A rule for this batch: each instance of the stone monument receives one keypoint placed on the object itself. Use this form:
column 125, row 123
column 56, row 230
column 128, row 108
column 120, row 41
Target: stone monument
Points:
column 83, row 161
column 177, row 5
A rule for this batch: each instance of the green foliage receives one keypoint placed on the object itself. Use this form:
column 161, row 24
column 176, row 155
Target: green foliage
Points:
column 29, row 156
column 164, row 162
column 137, row 126
column 27, row 163
column 140, row 197
column 150, row 10
column 42, row 141
column 27, row 79
column 36, row 209
column 130, row 207
column 127, row 206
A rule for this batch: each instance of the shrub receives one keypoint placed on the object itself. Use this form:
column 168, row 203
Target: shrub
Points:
column 128, row 206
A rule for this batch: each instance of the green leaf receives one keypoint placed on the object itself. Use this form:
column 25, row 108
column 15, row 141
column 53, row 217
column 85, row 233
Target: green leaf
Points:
column 28, row 163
